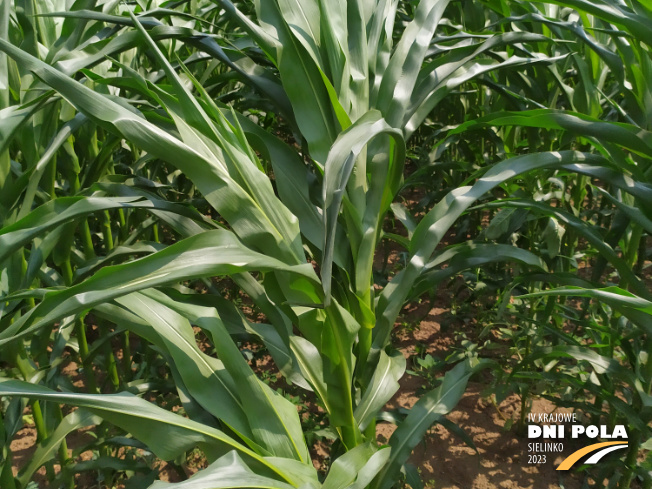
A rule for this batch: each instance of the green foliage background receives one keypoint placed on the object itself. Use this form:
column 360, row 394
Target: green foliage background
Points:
column 235, row 171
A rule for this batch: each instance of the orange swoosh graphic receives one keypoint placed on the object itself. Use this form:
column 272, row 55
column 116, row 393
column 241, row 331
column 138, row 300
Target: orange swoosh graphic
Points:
column 575, row 456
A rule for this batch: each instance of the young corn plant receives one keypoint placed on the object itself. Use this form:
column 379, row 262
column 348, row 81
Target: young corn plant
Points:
column 597, row 352
column 295, row 231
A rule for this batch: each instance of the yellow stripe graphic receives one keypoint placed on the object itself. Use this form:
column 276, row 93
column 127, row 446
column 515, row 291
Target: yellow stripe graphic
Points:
column 575, row 456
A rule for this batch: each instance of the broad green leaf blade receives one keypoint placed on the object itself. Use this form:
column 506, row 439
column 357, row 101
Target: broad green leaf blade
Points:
column 294, row 181
column 403, row 215
column 471, row 255
column 357, row 467
column 6, row 130
column 339, row 332
column 613, row 12
column 64, row 133
column 626, row 135
column 60, row 211
column 205, row 377
column 166, row 434
column 400, row 77
column 381, row 388
column 228, row 471
column 240, row 160
column 418, row 113
column 338, row 169
column 210, row 176
column 309, row 96
column 137, row 249
column 237, row 324
column 636, row 308
column 207, row 254
column 633, row 213
column 311, row 365
column 79, row 418
column 13, row 118
column 432, row 228
column 254, row 74
column 303, row 18
column 381, row 16
column 592, row 236
column 601, row 364
column 425, row 412
column 273, row 419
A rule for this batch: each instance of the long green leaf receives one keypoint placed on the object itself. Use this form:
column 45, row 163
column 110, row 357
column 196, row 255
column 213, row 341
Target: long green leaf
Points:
column 211, row 176
column 166, row 434
column 626, row 135
column 339, row 166
column 425, row 412
column 79, row 418
column 207, row 254
column 381, row 388
column 205, row 377
column 432, row 228
column 228, row 471
column 273, row 419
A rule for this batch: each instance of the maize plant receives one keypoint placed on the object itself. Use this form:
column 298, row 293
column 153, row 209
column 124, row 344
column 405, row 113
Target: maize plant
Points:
column 142, row 196
column 599, row 365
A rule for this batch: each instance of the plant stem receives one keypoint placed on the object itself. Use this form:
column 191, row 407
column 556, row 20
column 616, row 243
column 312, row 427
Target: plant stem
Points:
column 41, row 433
column 351, row 436
column 6, row 475
column 106, row 231
column 123, row 232
column 155, row 233
column 87, row 239
column 112, row 368
column 64, row 458
column 126, row 357
column 630, row 461
column 89, row 375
